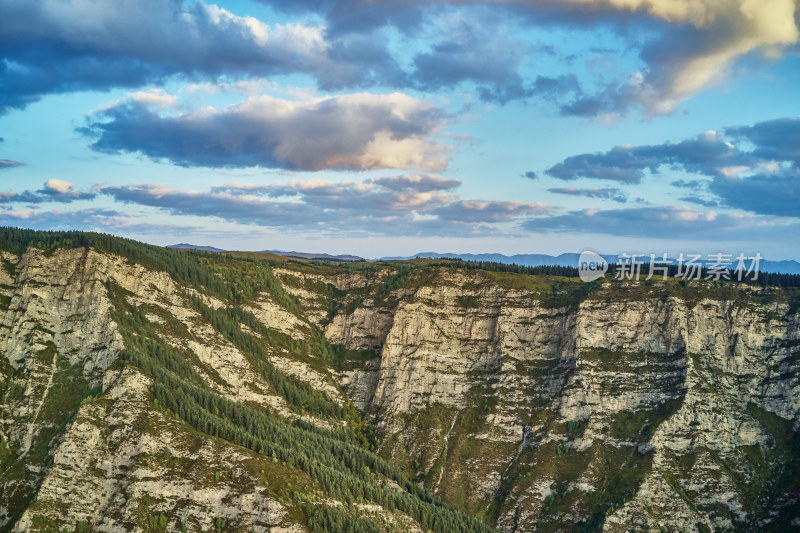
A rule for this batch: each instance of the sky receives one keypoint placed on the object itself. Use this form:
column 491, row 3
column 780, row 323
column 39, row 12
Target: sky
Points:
column 396, row 127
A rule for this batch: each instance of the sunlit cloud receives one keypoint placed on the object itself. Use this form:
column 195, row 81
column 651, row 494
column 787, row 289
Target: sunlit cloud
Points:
column 354, row 132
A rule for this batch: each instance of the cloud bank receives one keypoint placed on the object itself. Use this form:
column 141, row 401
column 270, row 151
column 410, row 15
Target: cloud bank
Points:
column 686, row 46
column 410, row 204
column 662, row 222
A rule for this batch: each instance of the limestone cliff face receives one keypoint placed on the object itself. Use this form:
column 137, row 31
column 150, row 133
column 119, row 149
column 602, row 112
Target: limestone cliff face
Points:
column 532, row 403
column 687, row 395
column 115, row 461
column 55, row 329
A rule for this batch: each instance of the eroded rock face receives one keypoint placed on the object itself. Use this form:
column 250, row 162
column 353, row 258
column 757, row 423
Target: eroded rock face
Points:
column 60, row 299
column 56, row 330
column 698, row 384
column 117, row 461
column 632, row 408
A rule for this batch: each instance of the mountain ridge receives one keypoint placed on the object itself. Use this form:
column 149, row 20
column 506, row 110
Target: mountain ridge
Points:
column 187, row 246
column 298, row 255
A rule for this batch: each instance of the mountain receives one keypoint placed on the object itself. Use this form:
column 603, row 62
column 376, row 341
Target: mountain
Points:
column 571, row 259
column 299, row 255
column 566, row 259
column 146, row 389
column 309, row 255
column 185, row 246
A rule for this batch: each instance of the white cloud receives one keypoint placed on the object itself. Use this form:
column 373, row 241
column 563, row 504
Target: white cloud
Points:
column 154, row 97
column 60, row 186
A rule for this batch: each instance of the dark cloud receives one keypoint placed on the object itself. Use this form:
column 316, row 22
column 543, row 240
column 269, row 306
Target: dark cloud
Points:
column 479, row 51
column 54, row 190
column 556, row 89
column 74, row 45
column 96, row 45
column 99, row 45
column 355, row 132
column 685, row 49
column 530, row 174
column 699, row 201
column 354, row 16
column 760, row 173
column 358, row 60
column 615, row 98
column 689, row 184
column 772, row 194
column 707, row 154
column 603, row 193
column 27, row 197
column 619, row 164
column 7, row 163
column 775, row 140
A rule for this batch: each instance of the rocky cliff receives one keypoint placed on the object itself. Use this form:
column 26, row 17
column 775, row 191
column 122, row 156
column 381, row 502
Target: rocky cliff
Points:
column 187, row 391
column 649, row 406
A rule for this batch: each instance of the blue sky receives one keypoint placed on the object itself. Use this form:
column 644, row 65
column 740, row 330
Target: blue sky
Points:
column 397, row 127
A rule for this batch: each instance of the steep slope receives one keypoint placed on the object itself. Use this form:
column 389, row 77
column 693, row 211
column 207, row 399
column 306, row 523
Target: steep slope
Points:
column 148, row 389
column 137, row 400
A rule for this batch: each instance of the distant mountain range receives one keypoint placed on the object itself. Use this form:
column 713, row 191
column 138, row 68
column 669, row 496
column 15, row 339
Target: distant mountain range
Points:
column 311, row 255
column 299, row 255
column 571, row 259
column 186, row 246
column 567, row 259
